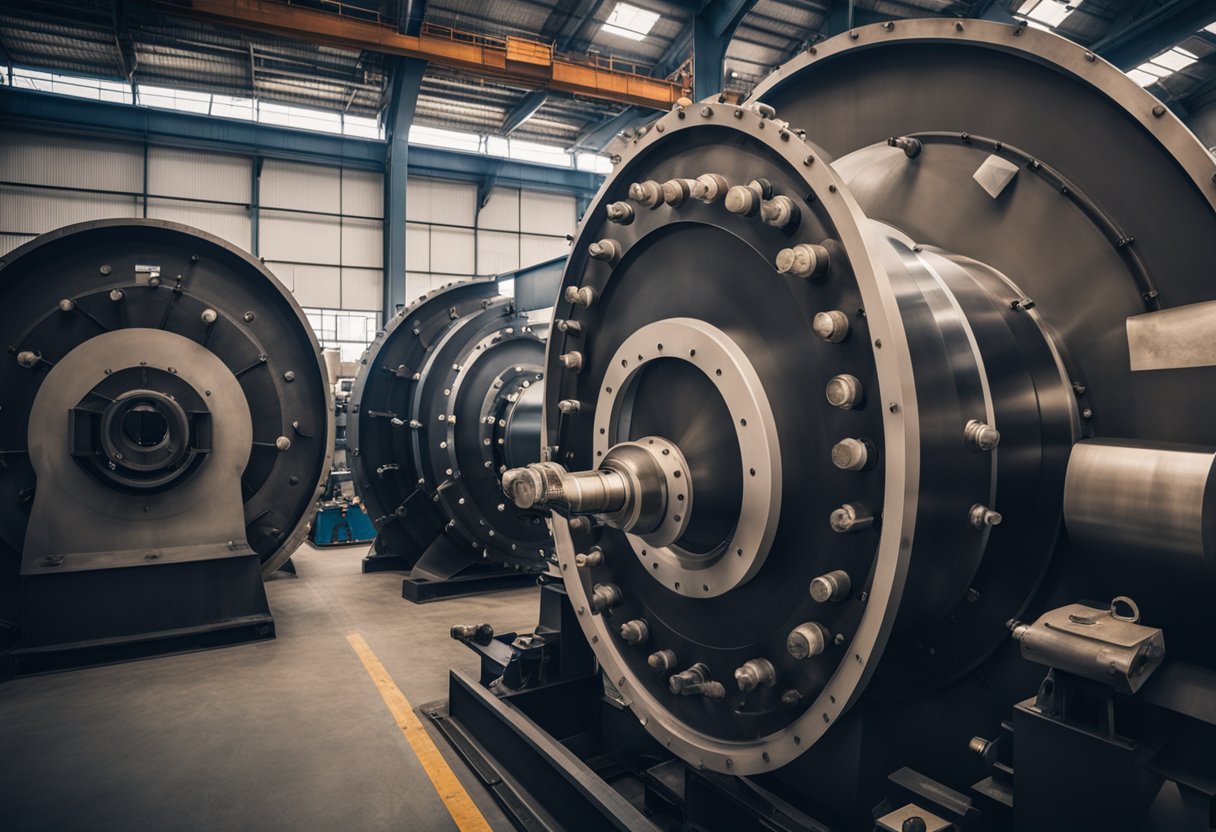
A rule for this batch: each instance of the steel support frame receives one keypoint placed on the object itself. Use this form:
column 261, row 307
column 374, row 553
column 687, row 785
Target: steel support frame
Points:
column 398, row 116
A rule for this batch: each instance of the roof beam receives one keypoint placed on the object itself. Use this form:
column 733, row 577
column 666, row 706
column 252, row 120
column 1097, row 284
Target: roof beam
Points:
column 413, row 12
column 524, row 110
column 171, row 128
column 520, row 61
column 597, row 135
column 706, row 36
column 1154, row 32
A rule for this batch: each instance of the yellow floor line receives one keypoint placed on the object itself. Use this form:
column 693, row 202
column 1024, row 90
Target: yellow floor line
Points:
column 461, row 807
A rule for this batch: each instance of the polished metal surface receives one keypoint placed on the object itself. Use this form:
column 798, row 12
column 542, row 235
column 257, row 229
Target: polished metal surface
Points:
column 448, row 397
column 1153, row 501
column 200, row 519
column 1172, row 339
column 178, row 406
column 933, row 321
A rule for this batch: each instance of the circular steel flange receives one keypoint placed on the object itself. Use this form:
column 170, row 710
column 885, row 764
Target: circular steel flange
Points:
column 433, row 407
column 163, row 281
column 738, row 557
column 841, row 674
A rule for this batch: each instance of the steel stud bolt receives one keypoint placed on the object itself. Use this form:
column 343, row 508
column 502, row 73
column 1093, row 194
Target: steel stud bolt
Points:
column 635, row 632
column 648, row 194
column 580, row 296
column 804, row 260
column 832, row 586
column 831, row 326
column 710, row 187
column 851, row 517
column 604, row 597
column 980, row 436
column 852, row 454
column 754, row 673
column 608, row 251
column 982, row 517
column 807, row 640
column 844, row 391
column 779, row 212
column 620, row 213
column 595, row 557
column 663, row 661
column 572, row 361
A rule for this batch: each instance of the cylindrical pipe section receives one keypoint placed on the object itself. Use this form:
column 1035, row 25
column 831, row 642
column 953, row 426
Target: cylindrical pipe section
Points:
column 1154, row 501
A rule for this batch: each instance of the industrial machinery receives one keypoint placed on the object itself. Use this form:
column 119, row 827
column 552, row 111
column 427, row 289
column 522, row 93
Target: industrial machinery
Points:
column 447, row 397
column 165, row 425
column 341, row 520
column 879, row 450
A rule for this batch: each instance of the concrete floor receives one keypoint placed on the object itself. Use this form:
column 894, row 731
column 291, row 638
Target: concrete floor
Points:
column 289, row 734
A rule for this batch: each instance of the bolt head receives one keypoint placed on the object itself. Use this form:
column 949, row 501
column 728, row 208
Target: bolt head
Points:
column 844, row 391
column 850, row 454
column 831, row 326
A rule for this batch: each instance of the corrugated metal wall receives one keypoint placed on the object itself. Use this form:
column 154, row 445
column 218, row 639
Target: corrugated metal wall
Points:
column 447, row 239
column 319, row 230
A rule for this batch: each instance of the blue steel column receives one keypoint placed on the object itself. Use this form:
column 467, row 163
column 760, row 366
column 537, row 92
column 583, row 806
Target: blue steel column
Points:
column 398, row 116
column 712, row 30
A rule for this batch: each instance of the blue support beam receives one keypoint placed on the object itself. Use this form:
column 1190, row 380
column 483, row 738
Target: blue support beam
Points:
column 413, row 12
column 1154, row 32
column 64, row 114
column 527, row 107
column 169, row 128
column 437, row 163
column 398, row 116
column 566, row 22
column 707, row 34
column 255, row 206
column 596, row 136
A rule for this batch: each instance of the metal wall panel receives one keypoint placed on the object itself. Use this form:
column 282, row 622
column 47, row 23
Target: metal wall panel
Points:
column 229, row 222
column 450, row 203
column 300, row 238
column 363, row 243
column 70, row 161
column 502, row 211
column 319, row 286
column 417, row 248
column 497, row 252
column 543, row 213
column 8, row 242
column 362, row 193
column 174, row 172
column 30, row 211
column 300, row 186
column 417, row 284
column 362, row 289
column 533, row 249
column 452, row 250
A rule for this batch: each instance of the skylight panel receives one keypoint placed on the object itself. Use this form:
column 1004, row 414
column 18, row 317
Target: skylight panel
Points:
column 1150, row 68
column 1046, row 13
column 1175, row 59
column 1142, row 78
column 1210, row 29
column 631, row 22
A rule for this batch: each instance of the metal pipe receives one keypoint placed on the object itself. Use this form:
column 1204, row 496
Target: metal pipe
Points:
column 1149, row 500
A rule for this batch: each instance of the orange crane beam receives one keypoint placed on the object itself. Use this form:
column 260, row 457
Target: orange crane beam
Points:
column 526, row 62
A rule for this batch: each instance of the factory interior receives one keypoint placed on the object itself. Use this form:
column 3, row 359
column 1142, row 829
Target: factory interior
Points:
column 623, row 415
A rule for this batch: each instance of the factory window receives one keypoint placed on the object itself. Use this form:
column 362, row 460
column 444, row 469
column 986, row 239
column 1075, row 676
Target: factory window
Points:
column 629, row 21
column 94, row 88
column 350, row 332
